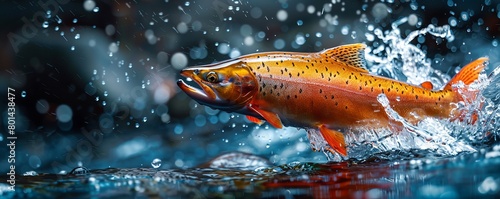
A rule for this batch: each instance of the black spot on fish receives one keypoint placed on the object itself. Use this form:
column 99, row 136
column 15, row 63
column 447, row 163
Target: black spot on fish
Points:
column 298, row 74
column 379, row 85
column 330, row 74
column 281, row 71
column 293, row 63
column 277, row 63
column 322, row 76
column 416, row 97
column 268, row 70
column 338, row 73
column 336, row 103
column 295, row 96
column 326, row 97
column 333, row 97
column 326, row 68
column 278, row 94
column 389, row 90
column 349, row 77
column 286, row 70
column 372, row 89
column 316, row 70
column 275, row 86
column 360, row 88
column 263, row 85
column 307, row 66
column 281, row 86
column 347, row 82
column 290, row 74
column 320, row 90
column 288, row 97
column 345, row 107
column 300, row 90
column 382, row 90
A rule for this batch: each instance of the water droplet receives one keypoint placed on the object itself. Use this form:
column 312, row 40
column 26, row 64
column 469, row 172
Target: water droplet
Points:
column 77, row 36
column 137, row 125
column 23, row 93
column 75, row 20
column 96, row 9
column 72, row 48
column 156, row 163
column 300, row 22
column 353, row 35
column 267, row 146
column 79, row 171
column 144, row 119
column 45, row 24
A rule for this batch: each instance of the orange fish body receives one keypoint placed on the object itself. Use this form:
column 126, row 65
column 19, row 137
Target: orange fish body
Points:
column 327, row 90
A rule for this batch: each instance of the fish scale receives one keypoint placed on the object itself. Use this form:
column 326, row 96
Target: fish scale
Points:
column 327, row 91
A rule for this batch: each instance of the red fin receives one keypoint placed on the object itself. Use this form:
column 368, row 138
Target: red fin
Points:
column 255, row 120
column 351, row 54
column 270, row 117
column 335, row 139
column 427, row 85
column 469, row 73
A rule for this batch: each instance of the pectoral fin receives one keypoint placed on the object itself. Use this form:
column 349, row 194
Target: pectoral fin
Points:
column 270, row 117
column 335, row 139
column 255, row 120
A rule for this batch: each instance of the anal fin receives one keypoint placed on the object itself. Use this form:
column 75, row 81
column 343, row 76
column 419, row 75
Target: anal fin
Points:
column 335, row 139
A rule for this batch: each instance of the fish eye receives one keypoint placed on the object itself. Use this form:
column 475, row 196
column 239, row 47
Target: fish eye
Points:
column 212, row 77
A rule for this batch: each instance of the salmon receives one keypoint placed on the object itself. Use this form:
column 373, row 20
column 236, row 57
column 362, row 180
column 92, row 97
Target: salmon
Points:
column 329, row 91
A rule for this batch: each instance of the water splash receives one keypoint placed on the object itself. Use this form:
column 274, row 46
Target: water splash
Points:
column 398, row 58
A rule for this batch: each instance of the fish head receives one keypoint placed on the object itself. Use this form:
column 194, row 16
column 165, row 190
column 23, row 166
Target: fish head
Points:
column 228, row 85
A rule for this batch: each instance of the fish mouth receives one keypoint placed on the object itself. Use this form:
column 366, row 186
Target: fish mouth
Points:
column 205, row 95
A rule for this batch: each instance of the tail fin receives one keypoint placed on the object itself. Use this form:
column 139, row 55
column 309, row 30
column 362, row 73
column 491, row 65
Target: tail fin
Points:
column 469, row 73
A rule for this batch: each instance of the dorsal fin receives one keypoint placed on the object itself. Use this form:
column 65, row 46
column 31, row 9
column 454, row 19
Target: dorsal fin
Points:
column 468, row 73
column 351, row 54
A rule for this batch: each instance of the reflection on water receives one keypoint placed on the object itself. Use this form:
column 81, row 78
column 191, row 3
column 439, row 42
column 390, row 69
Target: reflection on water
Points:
column 96, row 90
column 374, row 177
